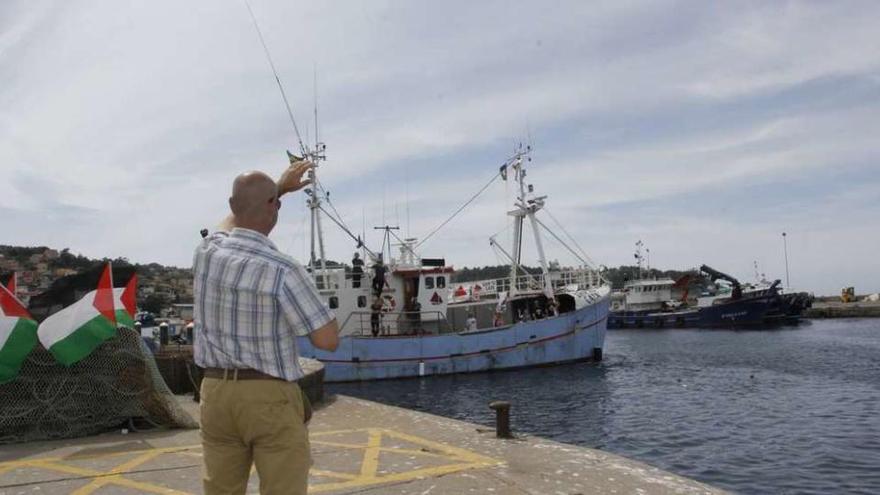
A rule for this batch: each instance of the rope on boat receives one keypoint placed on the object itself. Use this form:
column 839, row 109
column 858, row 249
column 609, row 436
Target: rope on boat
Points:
column 411, row 250
column 326, row 195
column 586, row 258
column 566, row 246
column 460, row 208
column 345, row 229
column 302, row 147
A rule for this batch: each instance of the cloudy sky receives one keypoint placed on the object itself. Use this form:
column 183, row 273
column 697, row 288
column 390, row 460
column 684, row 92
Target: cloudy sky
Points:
column 705, row 129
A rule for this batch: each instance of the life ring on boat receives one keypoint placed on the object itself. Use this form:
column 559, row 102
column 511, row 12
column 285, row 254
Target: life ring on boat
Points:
column 388, row 303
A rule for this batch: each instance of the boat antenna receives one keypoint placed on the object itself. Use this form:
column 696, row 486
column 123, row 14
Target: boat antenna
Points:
column 315, row 85
column 406, row 196
column 302, row 147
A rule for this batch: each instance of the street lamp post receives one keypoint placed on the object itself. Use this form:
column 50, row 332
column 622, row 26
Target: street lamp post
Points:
column 785, row 249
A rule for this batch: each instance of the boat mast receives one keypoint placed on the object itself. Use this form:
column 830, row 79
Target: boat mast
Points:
column 526, row 207
column 639, row 257
column 517, row 223
column 314, row 203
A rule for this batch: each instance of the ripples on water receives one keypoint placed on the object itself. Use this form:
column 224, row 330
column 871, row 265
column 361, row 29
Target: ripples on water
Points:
column 793, row 410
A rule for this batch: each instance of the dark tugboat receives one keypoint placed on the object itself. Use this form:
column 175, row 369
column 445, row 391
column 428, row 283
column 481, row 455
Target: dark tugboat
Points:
column 741, row 306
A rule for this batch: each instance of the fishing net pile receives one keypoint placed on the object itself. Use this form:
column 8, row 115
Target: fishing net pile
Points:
column 117, row 385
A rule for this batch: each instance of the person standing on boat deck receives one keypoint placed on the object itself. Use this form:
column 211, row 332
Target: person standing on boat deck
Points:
column 498, row 321
column 357, row 270
column 376, row 316
column 471, row 323
column 251, row 301
column 378, row 277
column 416, row 316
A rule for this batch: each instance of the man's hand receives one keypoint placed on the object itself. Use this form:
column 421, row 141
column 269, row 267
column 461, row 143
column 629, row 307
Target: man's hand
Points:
column 292, row 178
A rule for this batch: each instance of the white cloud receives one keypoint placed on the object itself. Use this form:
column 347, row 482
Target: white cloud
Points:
column 141, row 114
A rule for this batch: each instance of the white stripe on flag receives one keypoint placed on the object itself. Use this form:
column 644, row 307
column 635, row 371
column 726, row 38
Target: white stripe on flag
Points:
column 68, row 320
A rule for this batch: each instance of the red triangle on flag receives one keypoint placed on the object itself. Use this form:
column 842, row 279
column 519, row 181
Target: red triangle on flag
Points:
column 129, row 296
column 104, row 296
column 11, row 306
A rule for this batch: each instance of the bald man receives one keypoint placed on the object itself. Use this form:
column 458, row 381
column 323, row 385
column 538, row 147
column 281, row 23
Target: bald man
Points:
column 251, row 302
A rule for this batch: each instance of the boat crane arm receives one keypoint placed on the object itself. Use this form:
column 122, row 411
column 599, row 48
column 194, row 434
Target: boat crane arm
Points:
column 715, row 275
column 736, row 292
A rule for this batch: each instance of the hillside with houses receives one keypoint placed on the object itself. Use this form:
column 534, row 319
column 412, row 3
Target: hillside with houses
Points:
column 35, row 268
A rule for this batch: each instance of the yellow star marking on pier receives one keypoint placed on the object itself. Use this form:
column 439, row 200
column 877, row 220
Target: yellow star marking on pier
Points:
column 367, row 453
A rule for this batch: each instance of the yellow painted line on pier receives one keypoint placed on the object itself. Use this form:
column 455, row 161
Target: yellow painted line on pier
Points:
column 98, row 475
column 370, row 464
column 458, row 459
column 370, row 469
column 115, row 474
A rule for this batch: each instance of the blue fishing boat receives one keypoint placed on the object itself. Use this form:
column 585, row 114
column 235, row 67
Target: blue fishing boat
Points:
column 402, row 316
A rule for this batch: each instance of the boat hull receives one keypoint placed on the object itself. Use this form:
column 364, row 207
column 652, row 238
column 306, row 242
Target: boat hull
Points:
column 575, row 336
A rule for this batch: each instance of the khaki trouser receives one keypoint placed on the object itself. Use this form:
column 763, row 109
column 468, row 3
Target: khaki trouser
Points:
column 257, row 422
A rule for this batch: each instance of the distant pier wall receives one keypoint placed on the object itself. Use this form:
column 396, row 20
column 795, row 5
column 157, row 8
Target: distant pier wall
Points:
column 831, row 309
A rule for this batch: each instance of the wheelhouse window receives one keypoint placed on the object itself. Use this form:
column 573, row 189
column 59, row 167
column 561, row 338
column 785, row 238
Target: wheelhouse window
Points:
column 441, row 282
column 429, row 282
column 334, row 302
column 362, row 301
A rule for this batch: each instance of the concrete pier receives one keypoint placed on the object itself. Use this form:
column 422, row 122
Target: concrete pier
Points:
column 357, row 447
column 837, row 309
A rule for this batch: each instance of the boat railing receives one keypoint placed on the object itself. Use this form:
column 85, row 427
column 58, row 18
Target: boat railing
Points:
column 528, row 283
column 396, row 323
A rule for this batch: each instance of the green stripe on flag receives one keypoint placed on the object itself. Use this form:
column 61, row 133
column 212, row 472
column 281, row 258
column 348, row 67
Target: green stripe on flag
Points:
column 81, row 342
column 123, row 319
column 15, row 350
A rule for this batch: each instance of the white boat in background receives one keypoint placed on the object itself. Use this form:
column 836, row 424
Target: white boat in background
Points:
column 648, row 293
column 430, row 326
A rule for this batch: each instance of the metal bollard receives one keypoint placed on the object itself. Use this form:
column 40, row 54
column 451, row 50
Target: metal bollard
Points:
column 163, row 334
column 502, row 418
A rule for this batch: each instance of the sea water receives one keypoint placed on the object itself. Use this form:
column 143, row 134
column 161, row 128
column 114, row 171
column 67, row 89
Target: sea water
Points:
column 789, row 410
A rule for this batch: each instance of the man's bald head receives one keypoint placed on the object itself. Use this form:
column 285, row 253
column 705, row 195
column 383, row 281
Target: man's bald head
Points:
column 254, row 201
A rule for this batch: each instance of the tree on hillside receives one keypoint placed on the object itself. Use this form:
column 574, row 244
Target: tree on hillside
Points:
column 155, row 303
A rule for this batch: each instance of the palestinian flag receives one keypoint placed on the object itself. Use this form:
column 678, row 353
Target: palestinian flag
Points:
column 18, row 335
column 75, row 331
column 125, row 302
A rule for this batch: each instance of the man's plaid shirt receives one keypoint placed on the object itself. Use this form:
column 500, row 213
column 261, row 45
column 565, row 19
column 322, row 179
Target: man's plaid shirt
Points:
column 251, row 301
